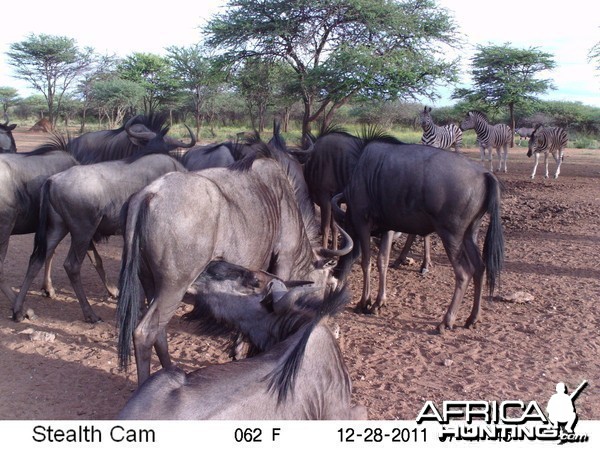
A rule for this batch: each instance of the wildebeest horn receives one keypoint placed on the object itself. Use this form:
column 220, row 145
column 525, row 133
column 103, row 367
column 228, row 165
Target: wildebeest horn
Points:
column 342, row 251
column 142, row 135
column 181, row 143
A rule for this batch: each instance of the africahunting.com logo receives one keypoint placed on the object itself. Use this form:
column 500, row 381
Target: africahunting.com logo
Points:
column 510, row 420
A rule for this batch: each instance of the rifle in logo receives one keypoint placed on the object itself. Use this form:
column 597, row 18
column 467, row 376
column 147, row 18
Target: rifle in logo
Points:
column 561, row 407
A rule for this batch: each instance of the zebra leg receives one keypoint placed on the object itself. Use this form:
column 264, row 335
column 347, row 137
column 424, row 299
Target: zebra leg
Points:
column 546, row 164
column 537, row 159
column 505, row 157
column 558, row 160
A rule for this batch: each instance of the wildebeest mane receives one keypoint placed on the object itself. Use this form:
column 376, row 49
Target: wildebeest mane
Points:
column 283, row 377
column 56, row 142
column 374, row 133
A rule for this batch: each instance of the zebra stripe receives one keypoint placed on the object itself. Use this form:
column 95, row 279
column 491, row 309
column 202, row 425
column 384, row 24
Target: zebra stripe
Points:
column 547, row 140
column 441, row 137
column 489, row 136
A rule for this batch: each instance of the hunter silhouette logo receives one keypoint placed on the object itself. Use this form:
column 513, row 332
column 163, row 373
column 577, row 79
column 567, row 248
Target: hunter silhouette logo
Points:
column 561, row 407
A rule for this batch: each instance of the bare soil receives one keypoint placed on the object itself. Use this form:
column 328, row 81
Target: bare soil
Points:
column 397, row 361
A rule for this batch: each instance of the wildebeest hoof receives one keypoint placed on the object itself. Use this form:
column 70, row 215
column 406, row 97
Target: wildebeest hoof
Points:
column 48, row 293
column 471, row 323
column 93, row 319
column 424, row 270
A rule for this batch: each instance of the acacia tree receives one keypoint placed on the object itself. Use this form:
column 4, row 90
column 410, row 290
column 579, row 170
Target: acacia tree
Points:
column 505, row 76
column 340, row 49
column 154, row 74
column 197, row 74
column 49, row 64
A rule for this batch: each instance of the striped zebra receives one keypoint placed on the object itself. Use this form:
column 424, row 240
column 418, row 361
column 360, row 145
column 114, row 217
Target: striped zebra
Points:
column 547, row 140
column 489, row 136
column 440, row 137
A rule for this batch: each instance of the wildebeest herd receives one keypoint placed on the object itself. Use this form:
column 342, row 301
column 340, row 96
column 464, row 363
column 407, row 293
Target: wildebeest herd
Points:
column 239, row 233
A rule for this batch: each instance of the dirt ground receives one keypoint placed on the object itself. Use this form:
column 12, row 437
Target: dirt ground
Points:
column 519, row 351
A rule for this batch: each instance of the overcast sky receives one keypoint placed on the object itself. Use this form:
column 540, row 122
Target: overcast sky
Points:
column 567, row 30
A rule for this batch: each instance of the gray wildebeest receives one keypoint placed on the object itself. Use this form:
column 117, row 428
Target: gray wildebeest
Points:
column 303, row 377
column 86, row 201
column 392, row 189
column 523, row 133
column 246, row 214
column 7, row 141
column 489, row 137
column 333, row 157
column 547, row 140
column 21, row 179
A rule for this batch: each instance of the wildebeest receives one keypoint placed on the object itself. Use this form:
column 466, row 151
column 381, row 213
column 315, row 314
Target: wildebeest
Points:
column 7, row 142
column 392, row 189
column 258, row 305
column 303, row 377
column 547, row 140
column 108, row 145
column 85, row 201
column 21, row 177
column 489, row 137
column 208, row 156
column 333, row 157
column 246, row 214
column 523, row 133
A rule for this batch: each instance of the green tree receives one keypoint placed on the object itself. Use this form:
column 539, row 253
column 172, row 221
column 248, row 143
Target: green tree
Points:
column 114, row 97
column 154, row 74
column 504, row 76
column 8, row 97
column 50, row 64
column 197, row 74
column 340, row 49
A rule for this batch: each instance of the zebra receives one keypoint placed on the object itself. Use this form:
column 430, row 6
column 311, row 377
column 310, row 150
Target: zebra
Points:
column 444, row 137
column 523, row 133
column 547, row 140
column 489, row 137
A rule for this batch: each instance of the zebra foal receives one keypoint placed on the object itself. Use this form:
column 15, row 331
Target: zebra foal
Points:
column 489, row 137
column 445, row 137
column 547, row 140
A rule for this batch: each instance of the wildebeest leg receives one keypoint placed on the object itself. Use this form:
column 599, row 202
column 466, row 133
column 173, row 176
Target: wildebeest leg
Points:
column 364, row 305
column 96, row 261
column 426, row 263
column 72, row 265
column 5, row 230
column 537, row 160
column 478, row 268
column 463, row 272
column 56, row 232
column 151, row 331
column 382, row 264
column 401, row 259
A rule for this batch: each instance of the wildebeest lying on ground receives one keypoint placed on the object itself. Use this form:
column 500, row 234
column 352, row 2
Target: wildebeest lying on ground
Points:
column 392, row 189
column 21, row 177
column 303, row 377
column 256, row 304
column 7, row 141
column 247, row 214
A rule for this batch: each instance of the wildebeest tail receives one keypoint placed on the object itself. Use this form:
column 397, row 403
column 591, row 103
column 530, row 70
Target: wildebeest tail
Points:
column 40, row 240
column 493, row 247
column 130, row 290
column 283, row 378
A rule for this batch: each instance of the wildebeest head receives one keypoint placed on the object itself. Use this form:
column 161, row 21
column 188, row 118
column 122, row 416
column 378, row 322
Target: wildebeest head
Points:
column 533, row 140
column 7, row 142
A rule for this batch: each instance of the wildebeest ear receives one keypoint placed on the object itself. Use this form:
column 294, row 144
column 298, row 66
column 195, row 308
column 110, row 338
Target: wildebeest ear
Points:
column 275, row 291
column 12, row 127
